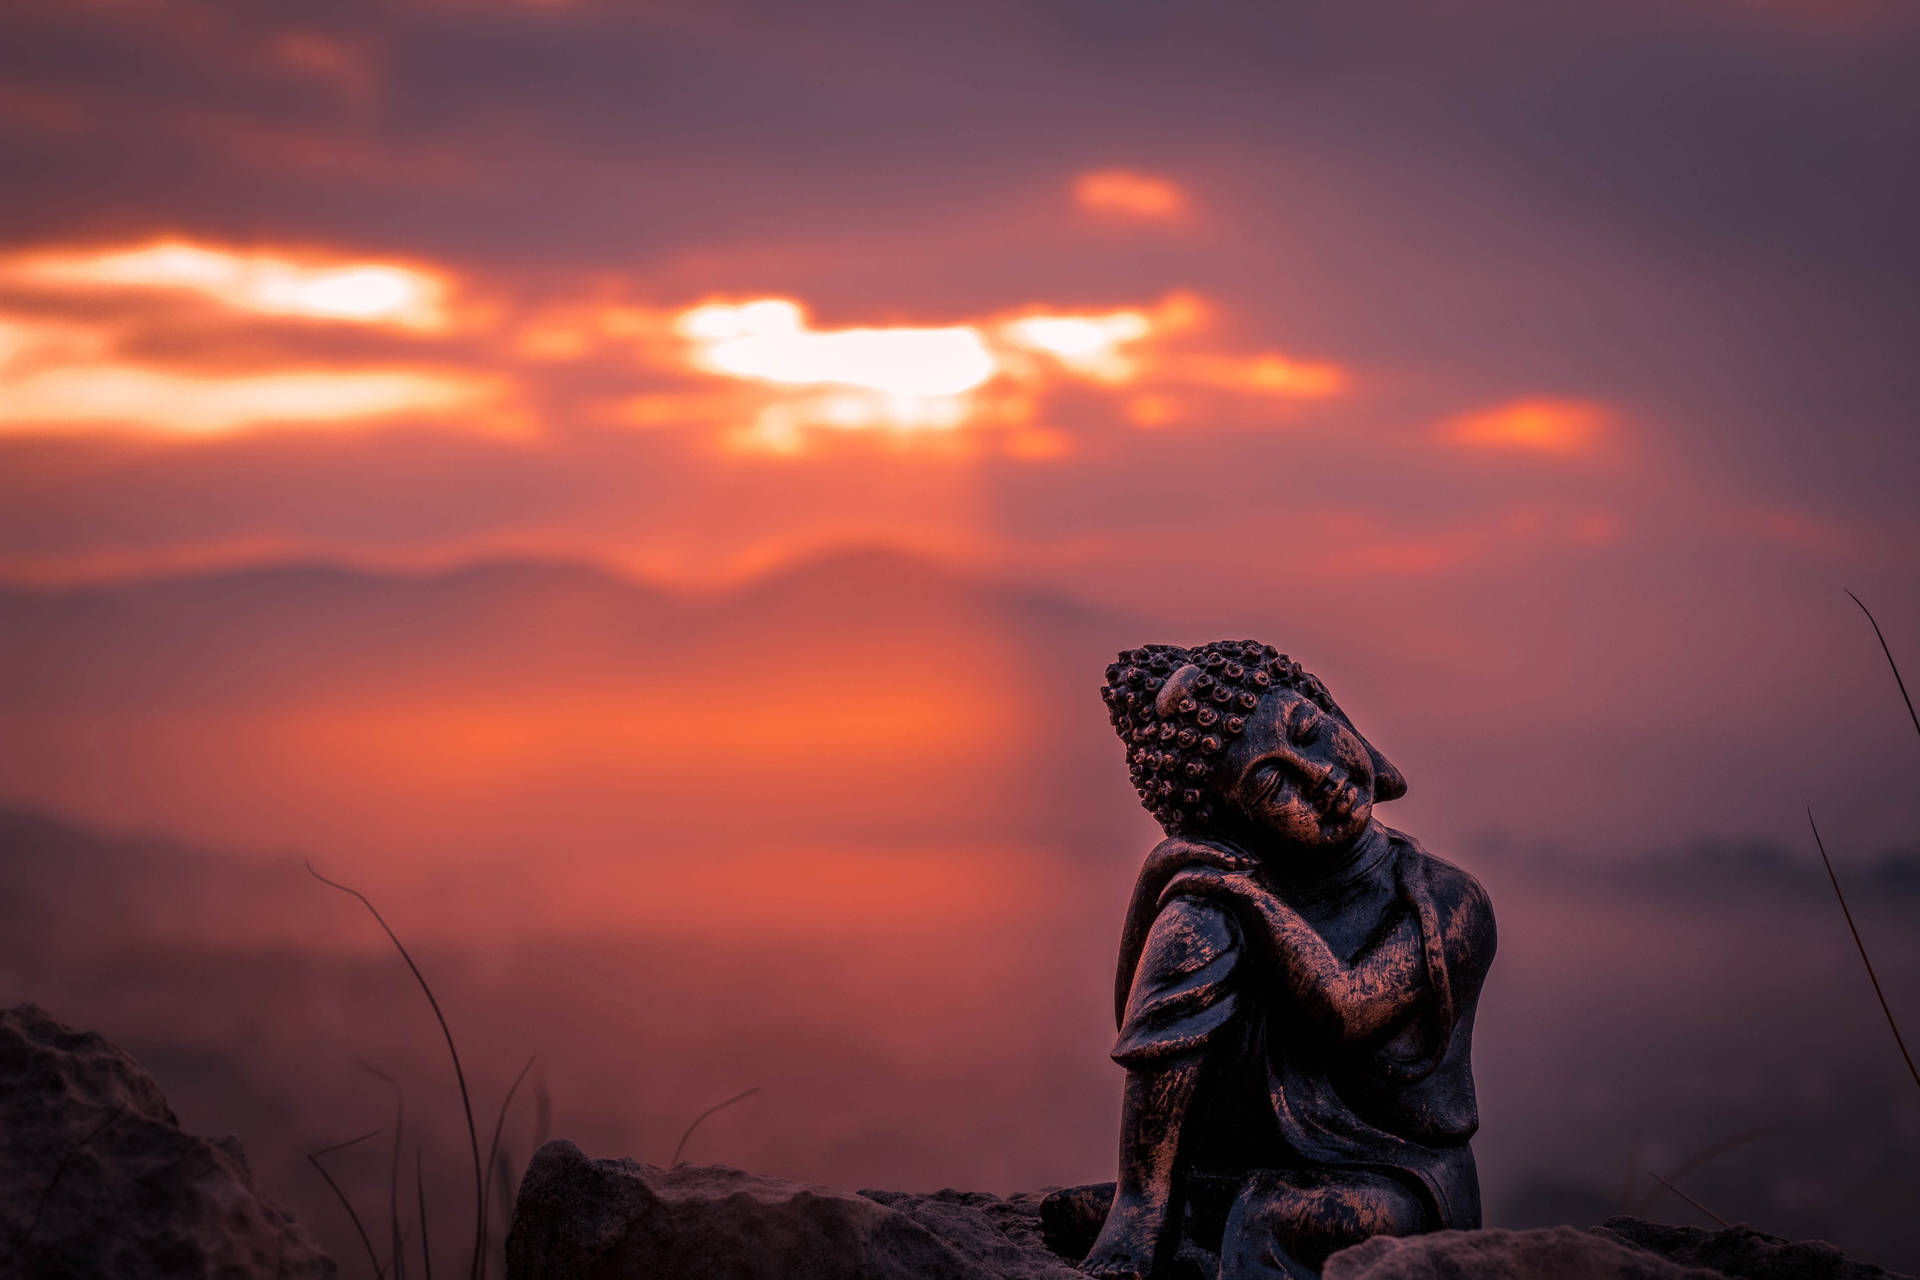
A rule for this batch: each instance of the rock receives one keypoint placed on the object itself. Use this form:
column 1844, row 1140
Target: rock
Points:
column 99, row 1182
column 1619, row 1249
column 582, row 1219
column 1071, row 1218
column 1557, row 1253
column 1741, row 1252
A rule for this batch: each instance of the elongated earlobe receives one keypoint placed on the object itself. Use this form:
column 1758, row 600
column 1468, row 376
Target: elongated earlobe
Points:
column 1388, row 782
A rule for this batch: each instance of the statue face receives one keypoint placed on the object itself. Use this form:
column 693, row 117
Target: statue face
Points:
column 1299, row 776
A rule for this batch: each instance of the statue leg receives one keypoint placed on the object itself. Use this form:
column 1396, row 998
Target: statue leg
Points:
column 1183, row 998
column 1137, row 1235
column 1288, row 1222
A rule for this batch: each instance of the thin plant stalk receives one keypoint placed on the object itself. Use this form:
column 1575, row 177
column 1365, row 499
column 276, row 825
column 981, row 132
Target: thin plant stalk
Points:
column 420, row 1194
column 1705, row 1154
column 1872, row 977
column 313, row 1158
column 1881, row 637
column 504, row 1182
column 718, row 1106
column 493, row 1150
column 466, row 1099
column 399, row 1263
column 1689, row 1199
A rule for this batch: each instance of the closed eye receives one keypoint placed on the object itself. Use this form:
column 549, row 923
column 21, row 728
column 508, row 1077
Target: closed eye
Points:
column 1267, row 784
column 1305, row 729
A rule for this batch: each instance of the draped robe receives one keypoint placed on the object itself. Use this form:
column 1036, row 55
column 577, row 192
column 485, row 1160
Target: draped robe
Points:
column 1201, row 972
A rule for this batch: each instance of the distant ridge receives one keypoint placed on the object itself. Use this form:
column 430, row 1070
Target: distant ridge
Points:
column 831, row 566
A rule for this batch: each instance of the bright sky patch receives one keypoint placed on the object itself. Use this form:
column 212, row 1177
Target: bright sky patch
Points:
column 276, row 284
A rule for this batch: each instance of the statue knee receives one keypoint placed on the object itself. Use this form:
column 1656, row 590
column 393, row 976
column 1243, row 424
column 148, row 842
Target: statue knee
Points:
column 1186, row 985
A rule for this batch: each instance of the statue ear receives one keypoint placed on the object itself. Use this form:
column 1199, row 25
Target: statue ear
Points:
column 1388, row 782
column 1179, row 685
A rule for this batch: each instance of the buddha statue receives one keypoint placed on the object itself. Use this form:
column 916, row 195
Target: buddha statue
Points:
column 1296, row 985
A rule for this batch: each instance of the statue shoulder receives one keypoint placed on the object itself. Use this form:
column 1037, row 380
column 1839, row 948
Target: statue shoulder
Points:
column 1460, row 902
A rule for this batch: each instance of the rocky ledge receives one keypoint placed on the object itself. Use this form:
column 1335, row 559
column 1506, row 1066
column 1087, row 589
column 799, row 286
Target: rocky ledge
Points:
column 99, row 1182
column 584, row 1219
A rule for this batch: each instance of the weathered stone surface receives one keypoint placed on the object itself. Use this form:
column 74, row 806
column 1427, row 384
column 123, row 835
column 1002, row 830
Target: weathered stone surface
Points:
column 99, row 1182
column 1741, row 1252
column 583, row 1219
column 1557, row 1253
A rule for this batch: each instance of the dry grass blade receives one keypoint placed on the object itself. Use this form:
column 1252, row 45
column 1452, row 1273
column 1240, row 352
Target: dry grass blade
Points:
column 1862, row 948
column 1689, row 1199
column 59, row 1171
column 542, row 1111
column 398, row 1264
column 505, row 1182
column 1878, row 635
column 466, row 1099
column 718, row 1106
column 1703, row 1155
column 493, row 1151
column 313, row 1158
column 420, row 1194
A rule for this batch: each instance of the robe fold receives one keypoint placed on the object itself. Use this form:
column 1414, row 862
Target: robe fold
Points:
column 1200, row 973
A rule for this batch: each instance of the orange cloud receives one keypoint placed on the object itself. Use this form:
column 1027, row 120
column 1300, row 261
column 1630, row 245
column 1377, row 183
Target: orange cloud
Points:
column 86, row 371
column 985, row 373
column 306, row 286
column 1122, row 193
column 1567, row 428
column 86, row 395
column 78, row 349
column 1269, row 374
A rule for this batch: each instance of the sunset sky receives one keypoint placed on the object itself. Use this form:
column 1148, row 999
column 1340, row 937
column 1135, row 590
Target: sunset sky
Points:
column 480, row 433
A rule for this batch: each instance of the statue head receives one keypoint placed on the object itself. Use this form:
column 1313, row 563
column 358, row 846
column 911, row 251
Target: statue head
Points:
column 1233, row 739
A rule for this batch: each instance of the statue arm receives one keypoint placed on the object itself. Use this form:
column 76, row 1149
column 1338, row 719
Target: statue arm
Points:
column 1358, row 1002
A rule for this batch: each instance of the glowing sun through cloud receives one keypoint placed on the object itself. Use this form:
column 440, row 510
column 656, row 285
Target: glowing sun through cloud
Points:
column 78, row 351
column 1088, row 345
column 981, row 373
column 769, row 340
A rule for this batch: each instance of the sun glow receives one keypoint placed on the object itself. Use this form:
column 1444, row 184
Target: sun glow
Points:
column 1088, row 345
column 989, row 373
column 276, row 284
column 770, row 340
